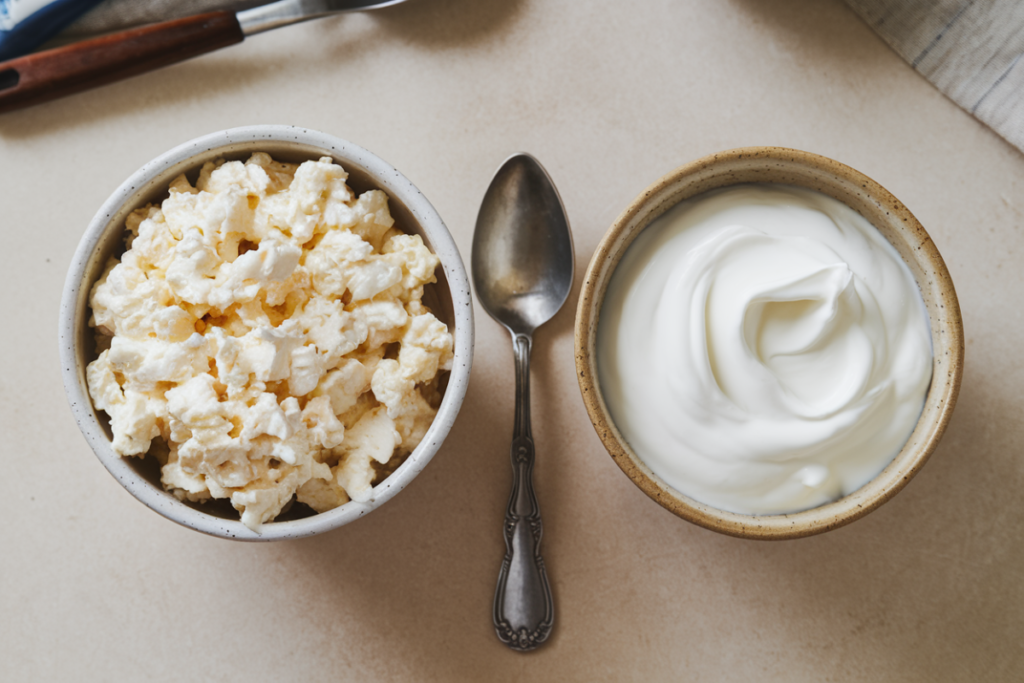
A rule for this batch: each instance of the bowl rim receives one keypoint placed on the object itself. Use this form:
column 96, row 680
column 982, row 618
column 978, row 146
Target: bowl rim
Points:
column 720, row 170
column 397, row 186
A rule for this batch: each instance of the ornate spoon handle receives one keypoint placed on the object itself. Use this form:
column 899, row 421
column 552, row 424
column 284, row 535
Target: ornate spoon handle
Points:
column 523, row 608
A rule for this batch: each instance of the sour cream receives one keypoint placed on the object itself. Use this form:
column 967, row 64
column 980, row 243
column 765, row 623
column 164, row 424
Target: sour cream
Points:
column 763, row 349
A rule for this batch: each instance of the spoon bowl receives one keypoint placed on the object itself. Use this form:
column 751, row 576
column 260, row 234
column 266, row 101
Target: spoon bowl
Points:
column 522, row 249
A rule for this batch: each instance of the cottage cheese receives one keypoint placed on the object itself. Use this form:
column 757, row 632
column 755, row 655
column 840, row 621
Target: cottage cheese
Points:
column 264, row 337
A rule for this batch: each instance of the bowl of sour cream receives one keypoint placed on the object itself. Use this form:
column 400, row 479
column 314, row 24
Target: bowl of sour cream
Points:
column 768, row 343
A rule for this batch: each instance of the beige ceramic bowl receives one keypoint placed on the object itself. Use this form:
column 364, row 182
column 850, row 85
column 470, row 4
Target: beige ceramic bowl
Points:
column 893, row 220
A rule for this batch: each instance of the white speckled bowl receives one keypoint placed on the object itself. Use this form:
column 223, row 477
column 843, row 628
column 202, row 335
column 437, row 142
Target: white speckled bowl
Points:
column 449, row 299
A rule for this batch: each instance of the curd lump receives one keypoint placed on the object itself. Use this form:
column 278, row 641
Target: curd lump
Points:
column 264, row 337
column 763, row 349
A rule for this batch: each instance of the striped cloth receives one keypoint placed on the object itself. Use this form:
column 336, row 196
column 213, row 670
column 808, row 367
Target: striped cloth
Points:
column 971, row 50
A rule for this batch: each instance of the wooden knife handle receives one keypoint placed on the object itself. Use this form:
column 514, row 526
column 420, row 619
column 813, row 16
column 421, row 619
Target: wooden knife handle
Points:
column 45, row 76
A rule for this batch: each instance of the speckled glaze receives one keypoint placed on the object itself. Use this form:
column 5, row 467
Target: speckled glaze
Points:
column 891, row 218
column 451, row 302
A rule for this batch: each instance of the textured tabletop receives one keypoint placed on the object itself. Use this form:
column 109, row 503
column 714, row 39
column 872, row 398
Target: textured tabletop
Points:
column 609, row 96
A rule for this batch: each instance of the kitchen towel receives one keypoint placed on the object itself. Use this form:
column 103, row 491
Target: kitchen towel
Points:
column 119, row 15
column 24, row 24
column 971, row 50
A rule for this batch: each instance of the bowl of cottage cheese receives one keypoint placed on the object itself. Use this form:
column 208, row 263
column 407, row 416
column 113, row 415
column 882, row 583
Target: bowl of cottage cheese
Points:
column 769, row 343
column 266, row 333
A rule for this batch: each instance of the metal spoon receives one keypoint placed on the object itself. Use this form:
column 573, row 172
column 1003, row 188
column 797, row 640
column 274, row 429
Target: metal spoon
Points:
column 522, row 273
column 44, row 76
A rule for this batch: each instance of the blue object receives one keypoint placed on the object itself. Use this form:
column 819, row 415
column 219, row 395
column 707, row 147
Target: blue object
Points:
column 27, row 24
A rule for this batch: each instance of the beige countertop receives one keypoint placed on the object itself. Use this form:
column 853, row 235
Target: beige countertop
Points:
column 609, row 96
